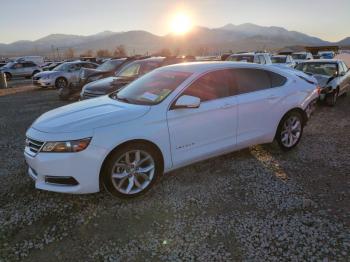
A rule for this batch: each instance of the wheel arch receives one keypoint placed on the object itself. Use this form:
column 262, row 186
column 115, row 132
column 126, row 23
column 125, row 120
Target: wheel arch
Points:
column 65, row 78
column 133, row 141
column 295, row 109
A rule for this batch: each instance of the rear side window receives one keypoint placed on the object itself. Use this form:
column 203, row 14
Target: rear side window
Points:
column 251, row 80
column 276, row 79
column 213, row 85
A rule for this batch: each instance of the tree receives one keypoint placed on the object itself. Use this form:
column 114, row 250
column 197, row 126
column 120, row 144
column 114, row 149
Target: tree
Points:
column 88, row 53
column 103, row 53
column 69, row 53
column 120, row 51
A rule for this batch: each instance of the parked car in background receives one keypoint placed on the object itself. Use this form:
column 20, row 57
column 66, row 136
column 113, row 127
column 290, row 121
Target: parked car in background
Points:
column 2, row 64
column 38, row 60
column 326, row 54
column 301, row 56
column 283, row 60
column 259, row 58
column 20, row 69
column 62, row 75
column 128, row 139
column 333, row 77
column 126, row 75
column 87, row 75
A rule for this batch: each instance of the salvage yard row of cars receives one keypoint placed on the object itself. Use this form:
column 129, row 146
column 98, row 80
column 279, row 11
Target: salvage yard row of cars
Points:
column 152, row 115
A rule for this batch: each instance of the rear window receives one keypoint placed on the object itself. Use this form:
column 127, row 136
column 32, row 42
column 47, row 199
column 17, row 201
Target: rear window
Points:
column 241, row 58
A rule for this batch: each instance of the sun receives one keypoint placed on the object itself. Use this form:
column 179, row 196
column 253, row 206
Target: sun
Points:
column 181, row 23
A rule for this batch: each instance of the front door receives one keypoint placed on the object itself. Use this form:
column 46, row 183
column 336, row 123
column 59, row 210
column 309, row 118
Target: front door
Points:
column 198, row 133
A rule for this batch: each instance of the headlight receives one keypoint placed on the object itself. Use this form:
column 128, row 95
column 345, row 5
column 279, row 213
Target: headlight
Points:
column 66, row 146
column 46, row 77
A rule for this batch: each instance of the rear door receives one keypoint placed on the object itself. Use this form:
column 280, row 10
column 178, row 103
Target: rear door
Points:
column 259, row 99
column 28, row 68
column 198, row 133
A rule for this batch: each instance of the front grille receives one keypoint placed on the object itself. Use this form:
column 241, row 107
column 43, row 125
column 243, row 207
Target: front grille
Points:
column 34, row 145
column 87, row 95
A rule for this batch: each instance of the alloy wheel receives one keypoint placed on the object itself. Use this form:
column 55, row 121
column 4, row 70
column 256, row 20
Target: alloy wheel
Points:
column 133, row 172
column 291, row 131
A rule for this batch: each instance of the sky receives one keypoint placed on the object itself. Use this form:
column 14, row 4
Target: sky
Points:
column 33, row 19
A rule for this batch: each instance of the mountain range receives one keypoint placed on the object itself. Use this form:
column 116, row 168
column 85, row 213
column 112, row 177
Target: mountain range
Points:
column 204, row 40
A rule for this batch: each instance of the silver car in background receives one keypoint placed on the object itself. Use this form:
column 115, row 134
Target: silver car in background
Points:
column 283, row 60
column 20, row 69
column 62, row 75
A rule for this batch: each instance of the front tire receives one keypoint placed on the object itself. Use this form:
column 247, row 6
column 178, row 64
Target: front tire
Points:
column 331, row 99
column 132, row 170
column 61, row 82
column 8, row 76
column 64, row 93
column 290, row 130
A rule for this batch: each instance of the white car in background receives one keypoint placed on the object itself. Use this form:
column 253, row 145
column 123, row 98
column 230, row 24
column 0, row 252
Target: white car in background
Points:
column 258, row 58
column 301, row 56
column 169, row 118
column 283, row 60
column 62, row 75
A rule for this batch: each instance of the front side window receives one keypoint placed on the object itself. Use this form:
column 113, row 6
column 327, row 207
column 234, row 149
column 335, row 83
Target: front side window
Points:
column 213, row 85
column 18, row 66
column 151, row 88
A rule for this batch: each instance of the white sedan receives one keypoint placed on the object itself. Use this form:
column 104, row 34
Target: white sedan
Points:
column 169, row 118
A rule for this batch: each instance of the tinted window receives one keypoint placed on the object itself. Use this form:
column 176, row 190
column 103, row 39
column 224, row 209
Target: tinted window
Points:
column 276, row 79
column 213, row 85
column 29, row 64
column 251, row 80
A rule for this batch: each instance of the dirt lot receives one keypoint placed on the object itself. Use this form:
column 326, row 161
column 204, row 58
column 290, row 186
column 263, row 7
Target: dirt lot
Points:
column 255, row 205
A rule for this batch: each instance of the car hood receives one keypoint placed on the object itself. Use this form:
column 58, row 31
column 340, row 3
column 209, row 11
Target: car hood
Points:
column 323, row 80
column 88, row 115
column 106, row 85
column 47, row 73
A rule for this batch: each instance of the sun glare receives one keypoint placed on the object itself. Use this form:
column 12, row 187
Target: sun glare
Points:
column 181, row 23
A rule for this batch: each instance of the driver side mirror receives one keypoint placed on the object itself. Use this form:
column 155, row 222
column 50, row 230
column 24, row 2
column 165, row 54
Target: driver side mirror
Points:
column 186, row 101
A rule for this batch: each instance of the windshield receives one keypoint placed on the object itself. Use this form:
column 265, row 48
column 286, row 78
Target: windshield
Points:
column 241, row 58
column 299, row 56
column 109, row 65
column 327, row 69
column 131, row 70
column 62, row 67
column 278, row 59
column 152, row 88
column 9, row 64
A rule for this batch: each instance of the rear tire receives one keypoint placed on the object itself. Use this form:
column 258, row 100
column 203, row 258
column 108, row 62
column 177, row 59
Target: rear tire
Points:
column 290, row 130
column 132, row 170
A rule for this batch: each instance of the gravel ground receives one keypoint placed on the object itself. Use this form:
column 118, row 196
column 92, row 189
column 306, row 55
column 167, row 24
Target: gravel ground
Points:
column 258, row 204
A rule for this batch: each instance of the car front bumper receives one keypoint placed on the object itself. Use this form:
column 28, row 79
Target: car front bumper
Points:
column 43, row 82
column 82, row 167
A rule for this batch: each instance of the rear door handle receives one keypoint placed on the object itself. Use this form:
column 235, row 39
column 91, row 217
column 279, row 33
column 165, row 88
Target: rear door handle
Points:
column 226, row 106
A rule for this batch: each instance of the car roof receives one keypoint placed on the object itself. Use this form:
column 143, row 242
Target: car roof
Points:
column 322, row 61
column 279, row 55
column 201, row 67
